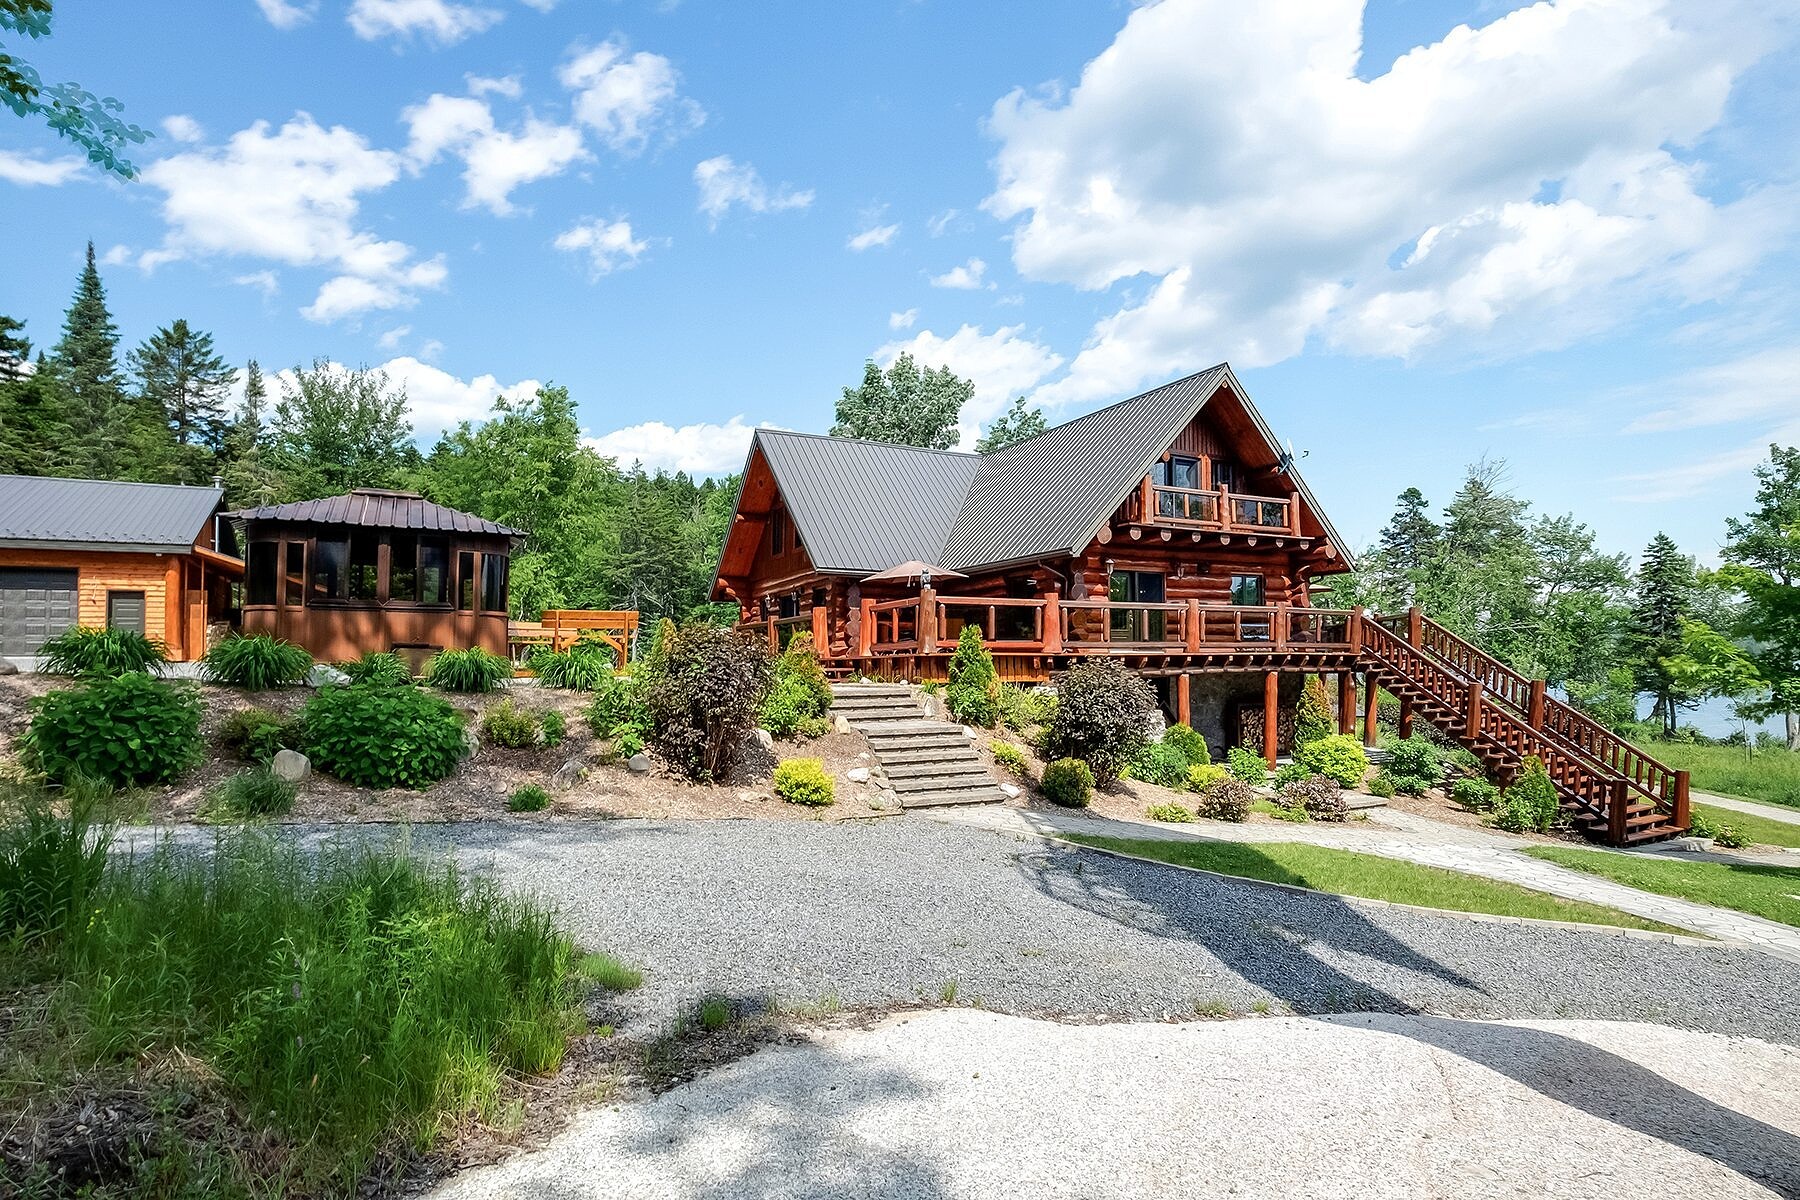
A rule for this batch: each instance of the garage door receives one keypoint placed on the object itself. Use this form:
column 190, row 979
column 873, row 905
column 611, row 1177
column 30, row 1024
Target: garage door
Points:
column 35, row 606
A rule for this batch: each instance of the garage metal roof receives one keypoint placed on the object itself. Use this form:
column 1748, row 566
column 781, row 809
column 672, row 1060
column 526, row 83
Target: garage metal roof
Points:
column 101, row 514
column 377, row 508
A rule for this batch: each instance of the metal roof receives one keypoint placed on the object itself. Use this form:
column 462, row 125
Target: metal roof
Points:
column 103, row 514
column 377, row 508
column 863, row 506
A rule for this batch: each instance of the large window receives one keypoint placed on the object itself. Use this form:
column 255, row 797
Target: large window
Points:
column 493, row 583
column 260, row 567
column 365, row 566
column 330, row 569
column 777, row 534
column 293, row 576
column 1137, row 624
column 1247, row 590
column 465, row 581
column 403, row 567
column 434, row 571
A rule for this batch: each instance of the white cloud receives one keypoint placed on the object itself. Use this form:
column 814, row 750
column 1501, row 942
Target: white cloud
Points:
column 183, row 128
column 27, row 171
column 431, row 350
column 625, row 99
column 283, row 14
column 1002, row 365
column 724, row 183
column 1759, row 385
column 441, row 22
column 903, row 320
column 609, row 245
column 291, row 195
column 967, row 277
column 542, row 6
column 508, row 86
column 940, row 224
column 392, row 338
column 875, row 235
column 495, row 161
column 1506, row 188
column 116, row 255
column 265, row 282
column 699, row 449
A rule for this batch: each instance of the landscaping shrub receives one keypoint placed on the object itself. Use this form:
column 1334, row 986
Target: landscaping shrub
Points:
column 798, row 695
column 1227, row 799
column 471, row 670
column 1382, row 785
column 255, row 663
column 1008, row 756
column 1530, row 804
column 530, row 798
column 255, row 734
column 1318, row 797
column 1280, row 812
column 1338, row 758
column 1246, row 765
column 583, row 667
column 1171, row 812
column 1312, row 715
column 1162, row 765
column 1201, row 774
column 804, row 781
column 973, row 694
column 125, row 730
column 258, row 792
column 507, row 724
column 1291, row 772
column 379, row 737
column 102, row 653
column 1410, row 785
column 618, row 706
column 1188, row 743
column 1025, row 709
column 704, row 697
column 1103, row 716
column 1068, row 782
column 555, row 727
column 1730, row 837
column 1476, row 795
column 50, row 865
column 383, row 667
column 1417, row 757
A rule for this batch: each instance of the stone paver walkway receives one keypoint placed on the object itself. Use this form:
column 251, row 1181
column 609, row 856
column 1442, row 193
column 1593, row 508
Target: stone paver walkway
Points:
column 1774, row 812
column 1416, row 839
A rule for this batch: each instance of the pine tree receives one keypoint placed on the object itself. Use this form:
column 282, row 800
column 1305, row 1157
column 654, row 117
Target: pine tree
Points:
column 86, row 366
column 15, row 350
column 1762, row 566
column 243, row 462
column 1407, row 544
column 1662, row 599
column 180, row 374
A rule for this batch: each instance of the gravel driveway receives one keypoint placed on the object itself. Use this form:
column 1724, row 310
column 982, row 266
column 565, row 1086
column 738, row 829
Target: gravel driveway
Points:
column 897, row 911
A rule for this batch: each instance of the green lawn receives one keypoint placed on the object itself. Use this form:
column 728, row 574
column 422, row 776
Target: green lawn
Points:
column 1349, row 873
column 1772, row 892
column 1761, row 830
column 1772, row 776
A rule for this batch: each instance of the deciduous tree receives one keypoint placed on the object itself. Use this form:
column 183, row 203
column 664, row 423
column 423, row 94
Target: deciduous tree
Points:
column 903, row 404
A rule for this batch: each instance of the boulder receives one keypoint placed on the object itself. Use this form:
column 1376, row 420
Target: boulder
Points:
column 929, row 705
column 638, row 764
column 1691, row 845
column 569, row 774
column 970, row 732
column 842, row 724
column 884, row 802
column 753, row 797
column 1012, row 790
column 857, row 774
column 290, row 765
column 765, row 739
column 7, row 667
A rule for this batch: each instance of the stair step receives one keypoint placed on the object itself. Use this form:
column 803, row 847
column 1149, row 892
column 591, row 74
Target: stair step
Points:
column 910, row 755
column 864, row 716
column 938, row 799
column 934, row 770
column 846, row 691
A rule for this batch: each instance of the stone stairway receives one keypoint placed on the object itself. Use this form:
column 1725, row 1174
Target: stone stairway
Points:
column 927, row 763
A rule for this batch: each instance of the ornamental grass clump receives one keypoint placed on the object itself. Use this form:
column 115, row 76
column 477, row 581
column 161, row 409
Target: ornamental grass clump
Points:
column 51, row 864
column 380, row 737
column 257, row 792
column 470, row 670
column 973, row 693
column 1103, row 717
column 102, row 653
column 583, row 667
column 528, row 799
column 125, row 731
column 381, row 667
column 255, row 663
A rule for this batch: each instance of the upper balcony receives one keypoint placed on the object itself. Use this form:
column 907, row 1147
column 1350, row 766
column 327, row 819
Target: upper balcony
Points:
column 1166, row 509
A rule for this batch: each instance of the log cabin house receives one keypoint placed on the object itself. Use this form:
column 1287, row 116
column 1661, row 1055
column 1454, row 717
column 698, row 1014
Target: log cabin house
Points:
column 1169, row 531
column 93, row 552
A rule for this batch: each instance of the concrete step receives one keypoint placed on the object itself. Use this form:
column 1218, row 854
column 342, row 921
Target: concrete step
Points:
column 847, row 691
column 939, row 799
column 896, row 772
column 865, row 716
column 909, row 755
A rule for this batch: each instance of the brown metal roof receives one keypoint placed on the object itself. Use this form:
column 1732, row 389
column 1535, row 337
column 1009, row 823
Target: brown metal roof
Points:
column 377, row 508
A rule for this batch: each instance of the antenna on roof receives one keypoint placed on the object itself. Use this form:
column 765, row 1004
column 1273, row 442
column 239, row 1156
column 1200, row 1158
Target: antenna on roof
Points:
column 1288, row 457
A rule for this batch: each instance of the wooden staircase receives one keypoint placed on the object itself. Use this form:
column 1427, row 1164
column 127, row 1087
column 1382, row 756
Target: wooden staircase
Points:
column 1612, row 791
column 927, row 763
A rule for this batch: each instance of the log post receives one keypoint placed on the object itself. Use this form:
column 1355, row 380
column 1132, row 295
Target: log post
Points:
column 1682, row 813
column 1271, row 715
column 1535, row 714
column 774, row 637
column 928, row 621
column 1472, row 728
column 1415, row 626
column 1146, row 501
column 1278, row 623
column 1406, row 717
column 1294, row 513
column 1618, row 805
column 1184, row 690
column 1192, row 628
column 1346, row 703
column 865, row 626
column 1053, row 641
column 1371, row 709
column 1225, row 515
column 1355, row 633
column 821, row 630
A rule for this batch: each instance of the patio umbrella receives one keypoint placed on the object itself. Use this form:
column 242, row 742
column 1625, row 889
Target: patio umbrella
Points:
column 909, row 571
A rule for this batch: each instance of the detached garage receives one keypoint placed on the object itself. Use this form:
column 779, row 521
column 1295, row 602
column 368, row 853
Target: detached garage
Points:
column 143, row 556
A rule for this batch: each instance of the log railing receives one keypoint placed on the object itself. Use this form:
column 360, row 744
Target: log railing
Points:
column 1218, row 508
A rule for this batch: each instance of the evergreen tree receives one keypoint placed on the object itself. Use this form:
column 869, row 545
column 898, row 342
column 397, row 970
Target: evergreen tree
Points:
column 1407, row 544
column 335, row 430
column 244, row 464
column 86, row 367
column 15, row 350
column 1762, row 568
column 1016, row 424
column 903, row 405
column 180, row 375
column 1662, row 601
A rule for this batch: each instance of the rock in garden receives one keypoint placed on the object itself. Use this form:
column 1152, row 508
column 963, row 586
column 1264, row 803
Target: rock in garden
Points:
column 765, row 739
column 929, row 705
column 857, row 774
column 290, row 765
column 1011, row 790
column 884, row 802
column 753, row 797
column 7, row 668
column 842, row 725
column 863, row 757
column 638, row 764
column 1691, row 845
column 970, row 733
column 568, row 775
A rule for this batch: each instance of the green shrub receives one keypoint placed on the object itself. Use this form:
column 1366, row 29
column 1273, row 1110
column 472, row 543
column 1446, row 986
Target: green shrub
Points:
column 1730, row 837
column 1338, row 758
column 1291, row 772
column 792, row 705
column 704, row 696
column 255, row 734
column 1411, row 785
column 379, row 737
column 50, row 864
column 125, row 730
column 102, row 653
column 1476, row 795
column 1531, row 803
column 1275, row 809
column 471, row 670
column 530, row 798
column 1025, row 709
column 1417, row 757
column 1188, row 743
column 1719, row 832
column 1008, row 756
column 258, row 792
column 507, row 724
column 1382, row 785
column 1226, row 799
column 378, row 667
column 1103, row 715
column 1200, row 775
column 1162, row 765
column 973, row 694
column 1247, row 765
column 1068, row 782
column 583, row 667
column 1312, row 715
column 1318, row 797
column 618, row 706
column 804, row 781
column 555, row 727
column 255, row 663
column 1170, row 812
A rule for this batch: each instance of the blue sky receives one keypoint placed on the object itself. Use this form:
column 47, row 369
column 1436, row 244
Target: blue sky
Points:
column 1424, row 232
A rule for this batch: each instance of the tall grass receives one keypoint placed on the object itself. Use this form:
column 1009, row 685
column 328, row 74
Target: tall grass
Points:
column 51, row 864
column 102, row 653
column 471, row 670
column 256, row 663
column 1771, row 775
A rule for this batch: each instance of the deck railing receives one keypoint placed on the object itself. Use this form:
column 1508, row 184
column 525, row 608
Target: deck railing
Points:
column 1219, row 508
